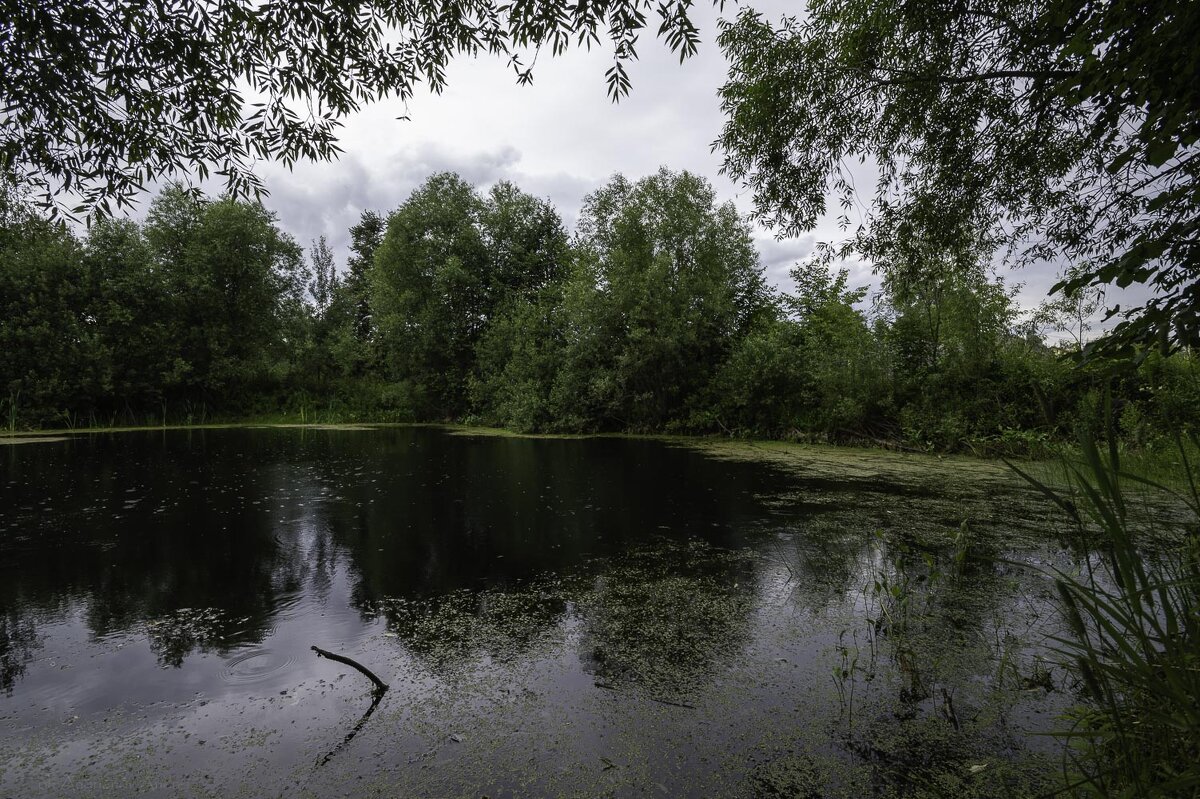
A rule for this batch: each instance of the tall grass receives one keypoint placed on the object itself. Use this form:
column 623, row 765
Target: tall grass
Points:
column 1133, row 636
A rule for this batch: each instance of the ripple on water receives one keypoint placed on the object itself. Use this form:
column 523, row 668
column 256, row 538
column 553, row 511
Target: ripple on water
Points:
column 254, row 666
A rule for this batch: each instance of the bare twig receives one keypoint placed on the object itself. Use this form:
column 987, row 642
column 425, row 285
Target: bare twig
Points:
column 380, row 685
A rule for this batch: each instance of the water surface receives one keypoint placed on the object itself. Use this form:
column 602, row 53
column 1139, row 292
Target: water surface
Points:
column 554, row 617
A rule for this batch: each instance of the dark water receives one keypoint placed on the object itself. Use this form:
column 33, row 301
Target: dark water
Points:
column 554, row 617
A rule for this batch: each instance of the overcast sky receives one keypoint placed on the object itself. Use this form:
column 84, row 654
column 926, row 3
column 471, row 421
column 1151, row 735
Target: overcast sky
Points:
column 559, row 139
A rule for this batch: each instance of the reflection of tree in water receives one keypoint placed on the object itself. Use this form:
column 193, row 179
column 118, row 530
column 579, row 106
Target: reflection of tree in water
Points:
column 18, row 639
column 183, row 539
column 931, row 608
column 433, row 513
column 660, row 618
column 663, row 617
column 447, row 535
column 820, row 557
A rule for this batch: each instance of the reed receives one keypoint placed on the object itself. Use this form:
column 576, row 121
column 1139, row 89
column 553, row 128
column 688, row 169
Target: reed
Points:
column 1132, row 637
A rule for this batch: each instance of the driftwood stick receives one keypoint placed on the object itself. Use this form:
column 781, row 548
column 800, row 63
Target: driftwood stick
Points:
column 380, row 685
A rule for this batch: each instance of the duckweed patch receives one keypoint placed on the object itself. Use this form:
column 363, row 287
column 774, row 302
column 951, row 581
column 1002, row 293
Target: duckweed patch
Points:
column 664, row 619
column 175, row 635
column 460, row 626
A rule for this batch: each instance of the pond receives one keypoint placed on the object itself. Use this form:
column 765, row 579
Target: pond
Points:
column 554, row 617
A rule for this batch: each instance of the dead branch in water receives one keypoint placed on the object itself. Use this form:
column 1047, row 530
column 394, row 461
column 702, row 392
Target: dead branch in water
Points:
column 380, row 685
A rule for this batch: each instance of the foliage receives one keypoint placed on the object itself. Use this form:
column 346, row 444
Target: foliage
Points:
column 324, row 283
column 762, row 387
column 665, row 281
column 102, row 97
column 1064, row 130
column 127, row 297
column 236, row 277
column 1072, row 312
column 1133, row 617
column 517, row 361
column 476, row 306
column 844, row 360
column 198, row 308
column 448, row 262
column 50, row 355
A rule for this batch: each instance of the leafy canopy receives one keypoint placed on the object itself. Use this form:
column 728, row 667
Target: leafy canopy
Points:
column 100, row 97
column 1054, row 131
column 1062, row 130
column 449, row 260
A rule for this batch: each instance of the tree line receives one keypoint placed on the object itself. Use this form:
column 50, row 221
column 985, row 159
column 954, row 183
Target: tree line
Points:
column 462, row 305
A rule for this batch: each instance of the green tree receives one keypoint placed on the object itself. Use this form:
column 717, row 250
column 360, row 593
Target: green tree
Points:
column 952, row 329
column 763, row 387
column 323, row 284
column 517, row 362
column 52, row 362
column 1061, row 130
column 348, row 330
column 846, row 384
column 1071, row 312
column 236, row 282
column 526, row 243
column 520, row 351
column 665, row 282
column 450, row 264
column 314, row 338
column 429, row 293
column 131, row 310
column 365, row 238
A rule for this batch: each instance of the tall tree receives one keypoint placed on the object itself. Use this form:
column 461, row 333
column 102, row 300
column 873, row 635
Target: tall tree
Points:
column 429, row 292
column 517, row 356
column 235, row 279
column 131, row 309
column 665, row 281
column 1067, row 129
column 1073, row 312
column 52, row 362
column 841, row 358
column 365, row 238
column 451, row 261
column 526, row 242
column 323, row 283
